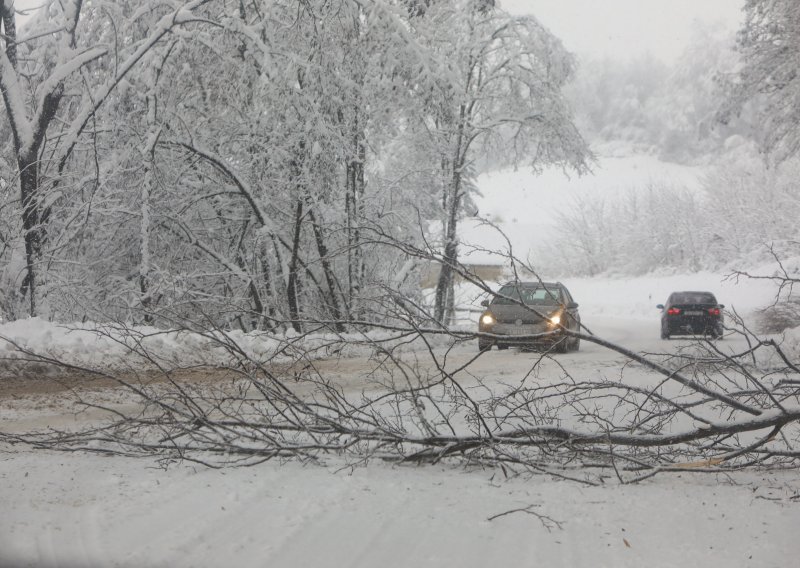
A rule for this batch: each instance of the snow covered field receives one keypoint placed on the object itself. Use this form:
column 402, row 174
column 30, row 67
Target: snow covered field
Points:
column 70, row 509
column 524, row 207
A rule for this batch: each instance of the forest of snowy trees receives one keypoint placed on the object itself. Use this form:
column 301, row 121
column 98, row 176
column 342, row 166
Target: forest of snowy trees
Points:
column 269, row 162
column 258, row 161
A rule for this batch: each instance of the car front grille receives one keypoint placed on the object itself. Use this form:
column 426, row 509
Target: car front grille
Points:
column 524, row 329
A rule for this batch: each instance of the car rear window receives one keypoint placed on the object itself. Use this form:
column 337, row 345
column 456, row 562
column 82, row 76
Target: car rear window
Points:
column 694, row 298
column 528, row 295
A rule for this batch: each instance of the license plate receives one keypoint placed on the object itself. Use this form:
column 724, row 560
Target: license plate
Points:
column 523, row 329
column 693, row 313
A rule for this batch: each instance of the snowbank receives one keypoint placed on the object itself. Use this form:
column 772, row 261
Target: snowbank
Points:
column 119, row 347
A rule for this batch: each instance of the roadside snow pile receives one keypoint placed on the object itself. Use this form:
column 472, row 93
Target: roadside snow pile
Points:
column 94, row 346
column 118, row 347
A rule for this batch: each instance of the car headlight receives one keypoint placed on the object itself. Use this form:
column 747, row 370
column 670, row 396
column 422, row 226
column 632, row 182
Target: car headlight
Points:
column 488, row 319
column 555, row 319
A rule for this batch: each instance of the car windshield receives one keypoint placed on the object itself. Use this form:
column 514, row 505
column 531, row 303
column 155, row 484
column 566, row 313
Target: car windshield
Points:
column 695, row 298
column 516, row 294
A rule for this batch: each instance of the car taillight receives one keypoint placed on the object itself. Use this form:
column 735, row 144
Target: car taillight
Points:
column 713, row 311
column 674, row 311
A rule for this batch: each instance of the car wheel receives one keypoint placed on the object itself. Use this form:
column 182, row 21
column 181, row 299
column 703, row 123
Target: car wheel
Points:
column 484, row 346
column 502, row 347
column 577, row 344
column 664, row 333
column 562, row 346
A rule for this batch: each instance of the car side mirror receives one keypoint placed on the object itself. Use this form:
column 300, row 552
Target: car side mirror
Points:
column 572, row 306
column 485, row 303
column 721, row 306
column 660, row 306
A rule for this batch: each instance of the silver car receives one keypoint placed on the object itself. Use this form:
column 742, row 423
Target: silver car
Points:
column 539, row 309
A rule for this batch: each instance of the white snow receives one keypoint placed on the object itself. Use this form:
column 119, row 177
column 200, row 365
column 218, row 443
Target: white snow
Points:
column 71, row 509
column 524, row 206
column 66, row 510
column 16, row 102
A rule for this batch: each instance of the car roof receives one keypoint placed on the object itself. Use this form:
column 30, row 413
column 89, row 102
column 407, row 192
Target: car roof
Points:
column 682, row 295
column 534, row 284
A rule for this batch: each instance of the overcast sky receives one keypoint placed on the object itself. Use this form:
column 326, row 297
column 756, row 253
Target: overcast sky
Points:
column 625, row 28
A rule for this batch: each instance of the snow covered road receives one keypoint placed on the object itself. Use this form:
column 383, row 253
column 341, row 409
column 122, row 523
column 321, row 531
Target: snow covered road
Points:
column 75, row 511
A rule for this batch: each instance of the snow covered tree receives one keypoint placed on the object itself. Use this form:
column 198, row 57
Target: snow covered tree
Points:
column 53, row 80
column 770, row 45
column 271, row 178
column 632, row 232
column 30, row 116
column 500, row 95
column 232, row 161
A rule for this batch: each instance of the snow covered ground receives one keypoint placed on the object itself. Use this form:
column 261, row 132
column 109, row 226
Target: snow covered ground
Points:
column 68, row 509
column 88, row 511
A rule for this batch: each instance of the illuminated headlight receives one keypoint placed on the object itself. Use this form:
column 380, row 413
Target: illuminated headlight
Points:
column 555, row 319
column 488, row 319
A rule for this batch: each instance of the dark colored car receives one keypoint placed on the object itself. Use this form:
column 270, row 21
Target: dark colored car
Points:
column 528, row 308
column 691, row 313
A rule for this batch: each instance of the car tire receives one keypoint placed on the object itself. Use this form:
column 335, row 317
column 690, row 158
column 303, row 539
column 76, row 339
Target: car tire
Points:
column 562, row 345
column 502, row 347
column 577, row 344
column 484, row 346
column 664, row 333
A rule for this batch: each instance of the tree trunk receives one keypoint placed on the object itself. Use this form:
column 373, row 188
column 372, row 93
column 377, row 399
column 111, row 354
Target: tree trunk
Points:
column 354, row 210
column 145, row 294
column 33, row 230
column 266, row 276
column 330, row 277
column 444, row 301
column 292, row 283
